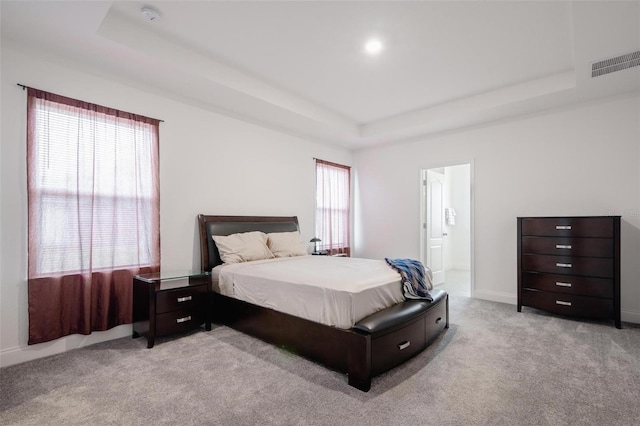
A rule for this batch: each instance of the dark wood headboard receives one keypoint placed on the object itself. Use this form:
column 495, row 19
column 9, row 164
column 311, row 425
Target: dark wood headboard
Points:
column 227, row 225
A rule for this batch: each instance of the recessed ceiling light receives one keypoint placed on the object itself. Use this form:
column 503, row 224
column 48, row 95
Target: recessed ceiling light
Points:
column 150, row 14
column 373, row 46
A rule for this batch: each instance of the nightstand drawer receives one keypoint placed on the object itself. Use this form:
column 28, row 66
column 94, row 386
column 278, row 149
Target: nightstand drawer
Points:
column 568, row 284
column 567, row 304
column 565, row 246
column 598, row 227
column 179, row 321
column 586, row 266
column 182, row 298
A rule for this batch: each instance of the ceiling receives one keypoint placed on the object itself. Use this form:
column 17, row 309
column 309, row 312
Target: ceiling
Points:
column 300, row 66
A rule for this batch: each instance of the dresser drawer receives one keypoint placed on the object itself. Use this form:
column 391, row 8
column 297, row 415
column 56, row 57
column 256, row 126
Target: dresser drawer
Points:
column 586, row 266
column 179, row 321
column 568, row 304
column 394, row 348
column 568, row 284
column 566, row 246
column 598, row 227
column 182, row 298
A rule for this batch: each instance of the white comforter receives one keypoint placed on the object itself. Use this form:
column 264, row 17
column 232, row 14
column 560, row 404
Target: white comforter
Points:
column 335, row 291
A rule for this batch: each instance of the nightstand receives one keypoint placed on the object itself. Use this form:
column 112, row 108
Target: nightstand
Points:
column 170, row 302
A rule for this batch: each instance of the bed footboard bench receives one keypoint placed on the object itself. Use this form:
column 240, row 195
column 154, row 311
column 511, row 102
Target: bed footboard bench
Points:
column 404, row 330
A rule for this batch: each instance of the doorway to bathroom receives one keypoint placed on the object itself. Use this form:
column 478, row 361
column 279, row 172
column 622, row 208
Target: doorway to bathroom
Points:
column 446, row 227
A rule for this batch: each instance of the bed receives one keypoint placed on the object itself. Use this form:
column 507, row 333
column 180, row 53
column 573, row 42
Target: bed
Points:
column 371, row 345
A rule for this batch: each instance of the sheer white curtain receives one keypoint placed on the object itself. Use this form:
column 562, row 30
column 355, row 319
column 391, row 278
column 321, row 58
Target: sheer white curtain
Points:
column 93, row 213
column 333, row 184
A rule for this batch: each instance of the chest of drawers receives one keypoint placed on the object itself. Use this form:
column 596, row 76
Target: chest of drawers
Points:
column 570, row 265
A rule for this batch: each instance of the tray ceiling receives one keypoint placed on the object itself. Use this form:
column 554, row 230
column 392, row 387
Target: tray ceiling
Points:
column 300, row 66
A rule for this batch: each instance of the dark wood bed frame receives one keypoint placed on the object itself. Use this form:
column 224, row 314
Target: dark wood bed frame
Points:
column 348, row 351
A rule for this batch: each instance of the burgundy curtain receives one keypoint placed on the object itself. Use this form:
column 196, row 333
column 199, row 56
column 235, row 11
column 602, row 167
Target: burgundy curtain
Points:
column 93, row 205
column 333, row 206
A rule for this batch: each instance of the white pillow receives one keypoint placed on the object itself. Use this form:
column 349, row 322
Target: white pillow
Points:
column 286, row 244
column 243, row 247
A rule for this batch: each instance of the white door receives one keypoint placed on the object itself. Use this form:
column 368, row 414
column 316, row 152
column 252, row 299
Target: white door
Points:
column 434, row 227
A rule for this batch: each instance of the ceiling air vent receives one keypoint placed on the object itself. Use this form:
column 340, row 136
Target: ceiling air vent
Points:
column 618, row 63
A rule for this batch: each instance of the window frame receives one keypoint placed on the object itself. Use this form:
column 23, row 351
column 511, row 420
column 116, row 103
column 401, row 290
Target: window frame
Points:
column 337, row 238
column 40, row 105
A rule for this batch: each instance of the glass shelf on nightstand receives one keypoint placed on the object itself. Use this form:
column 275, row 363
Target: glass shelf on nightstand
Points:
column 168, row 279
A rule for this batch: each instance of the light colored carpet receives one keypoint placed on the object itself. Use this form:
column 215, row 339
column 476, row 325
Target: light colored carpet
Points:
column 494, row 366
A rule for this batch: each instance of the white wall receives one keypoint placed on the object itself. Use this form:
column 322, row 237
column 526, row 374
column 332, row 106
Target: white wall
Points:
column 209, row 163
column 579, row 161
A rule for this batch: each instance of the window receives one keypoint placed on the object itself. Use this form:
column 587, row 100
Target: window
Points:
column 93, row 210
column 333, row 183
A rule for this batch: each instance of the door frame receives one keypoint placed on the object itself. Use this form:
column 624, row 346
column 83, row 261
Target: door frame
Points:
column 422, row 215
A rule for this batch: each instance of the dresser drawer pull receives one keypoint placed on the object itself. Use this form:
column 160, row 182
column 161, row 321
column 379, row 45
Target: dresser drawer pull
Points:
column 563, row 265
column 184, row 299
column 404, row 345
column 439, row 320
column 563, row 227
column 561, row 284
column 563, row 246
column 184, row 319
column 560, row 302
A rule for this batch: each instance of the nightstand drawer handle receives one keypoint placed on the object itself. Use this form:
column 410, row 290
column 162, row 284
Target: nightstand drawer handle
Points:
column 560, row 302
column 561, row 284
column 563, row 265
column 184, row 319
column 563, row 227
column 404, row 345
column 184, row 299
column 563, row 246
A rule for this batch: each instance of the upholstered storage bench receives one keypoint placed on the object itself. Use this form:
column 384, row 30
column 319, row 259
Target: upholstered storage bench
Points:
column 404, row 330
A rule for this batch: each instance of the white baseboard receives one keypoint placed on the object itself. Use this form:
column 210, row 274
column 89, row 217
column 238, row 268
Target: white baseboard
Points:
column 495, row 296
column 630, row 316
column 20, row 354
